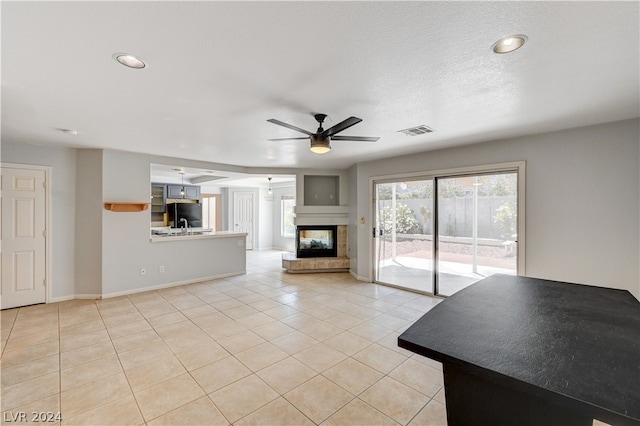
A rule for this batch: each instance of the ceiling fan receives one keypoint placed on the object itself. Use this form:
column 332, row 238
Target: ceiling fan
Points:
column 321, row 139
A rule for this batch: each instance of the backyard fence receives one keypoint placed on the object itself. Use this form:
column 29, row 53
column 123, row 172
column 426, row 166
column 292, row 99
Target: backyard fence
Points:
column 496, row 216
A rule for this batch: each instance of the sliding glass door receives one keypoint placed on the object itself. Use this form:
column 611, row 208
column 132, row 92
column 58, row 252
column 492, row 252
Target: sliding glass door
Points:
column 404, row 234
column 438, row 234
column 477, row 229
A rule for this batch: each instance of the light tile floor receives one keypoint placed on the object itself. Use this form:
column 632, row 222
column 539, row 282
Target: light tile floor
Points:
column 265, row 348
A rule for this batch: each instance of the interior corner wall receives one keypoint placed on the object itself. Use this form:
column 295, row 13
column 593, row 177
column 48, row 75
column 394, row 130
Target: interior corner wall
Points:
column 265, row 220
column 63, row 184
column 354, row 220
column 88, row 207
column 125, row 236
column 582, row 200
column 225, row 211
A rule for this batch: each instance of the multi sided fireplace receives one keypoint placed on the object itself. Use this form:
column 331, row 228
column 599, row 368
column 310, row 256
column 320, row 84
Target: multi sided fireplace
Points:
column 317, row 241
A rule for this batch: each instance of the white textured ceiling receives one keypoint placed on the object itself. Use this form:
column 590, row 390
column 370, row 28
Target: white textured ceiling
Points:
column 218, row 70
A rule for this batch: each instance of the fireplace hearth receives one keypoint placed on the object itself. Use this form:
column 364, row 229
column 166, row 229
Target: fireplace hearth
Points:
column 316, row 241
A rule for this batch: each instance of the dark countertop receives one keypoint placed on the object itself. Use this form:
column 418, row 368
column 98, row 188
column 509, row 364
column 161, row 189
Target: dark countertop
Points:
column 578, row 344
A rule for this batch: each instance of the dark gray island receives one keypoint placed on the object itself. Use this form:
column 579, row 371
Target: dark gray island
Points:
column 526, row 351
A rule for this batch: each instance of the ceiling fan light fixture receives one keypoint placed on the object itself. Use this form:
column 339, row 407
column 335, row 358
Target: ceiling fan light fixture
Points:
column 509, row 44
column 320, row 146
column 321, row 140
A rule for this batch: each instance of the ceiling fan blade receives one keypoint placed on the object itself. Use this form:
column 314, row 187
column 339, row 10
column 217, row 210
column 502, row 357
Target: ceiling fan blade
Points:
column 289, row 139
column 354, row 138
column 351, row 121
column 289, row 126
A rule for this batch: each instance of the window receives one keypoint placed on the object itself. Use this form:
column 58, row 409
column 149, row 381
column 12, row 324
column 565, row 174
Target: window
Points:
column 287, row 226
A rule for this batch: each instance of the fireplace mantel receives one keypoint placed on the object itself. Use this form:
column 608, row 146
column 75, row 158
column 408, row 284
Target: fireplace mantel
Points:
column 322, row 215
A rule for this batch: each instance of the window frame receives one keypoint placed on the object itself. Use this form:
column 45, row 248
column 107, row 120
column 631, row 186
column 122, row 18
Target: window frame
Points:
column 284, row 200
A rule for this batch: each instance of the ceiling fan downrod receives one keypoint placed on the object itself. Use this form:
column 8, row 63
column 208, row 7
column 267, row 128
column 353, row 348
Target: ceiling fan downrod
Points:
column 320, row 119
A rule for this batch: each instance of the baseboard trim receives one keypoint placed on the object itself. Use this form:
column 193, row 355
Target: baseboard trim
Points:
column 358, row 277
column 173, row 284
column 142, row 290
column 73, row 297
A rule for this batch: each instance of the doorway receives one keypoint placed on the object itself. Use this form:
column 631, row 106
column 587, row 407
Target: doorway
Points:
column 211, row 211
column 24, row 224
column 441, row 232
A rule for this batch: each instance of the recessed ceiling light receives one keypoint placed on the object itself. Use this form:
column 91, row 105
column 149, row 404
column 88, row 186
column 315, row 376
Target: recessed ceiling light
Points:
column 509, row 44
column 130, row 61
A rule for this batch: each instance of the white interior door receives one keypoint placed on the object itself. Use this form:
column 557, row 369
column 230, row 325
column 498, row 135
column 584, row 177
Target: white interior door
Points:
column 23, row 234
column 243, row 215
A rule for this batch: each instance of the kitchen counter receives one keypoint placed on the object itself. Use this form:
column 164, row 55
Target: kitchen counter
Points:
column 196, row 235
column 528, row 351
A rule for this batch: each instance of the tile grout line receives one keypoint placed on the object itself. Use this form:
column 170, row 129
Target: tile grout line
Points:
column 120, row 361
column 188, row 371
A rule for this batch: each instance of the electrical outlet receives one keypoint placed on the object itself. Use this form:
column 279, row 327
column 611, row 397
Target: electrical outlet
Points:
column 143, row 271
column 161, row 269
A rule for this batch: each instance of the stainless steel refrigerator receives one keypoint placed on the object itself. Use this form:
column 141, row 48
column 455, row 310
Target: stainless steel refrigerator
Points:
column 191, row 212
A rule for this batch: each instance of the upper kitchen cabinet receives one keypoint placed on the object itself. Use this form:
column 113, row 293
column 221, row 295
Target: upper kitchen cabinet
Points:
column 192, row 192
column 158, row 197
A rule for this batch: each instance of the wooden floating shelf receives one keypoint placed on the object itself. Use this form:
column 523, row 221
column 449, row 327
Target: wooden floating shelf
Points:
column 126, row 207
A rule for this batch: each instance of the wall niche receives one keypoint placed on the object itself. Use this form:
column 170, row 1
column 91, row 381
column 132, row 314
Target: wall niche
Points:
column 321, row 190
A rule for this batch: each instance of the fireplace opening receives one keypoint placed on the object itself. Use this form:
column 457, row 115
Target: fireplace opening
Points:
column 317, row 241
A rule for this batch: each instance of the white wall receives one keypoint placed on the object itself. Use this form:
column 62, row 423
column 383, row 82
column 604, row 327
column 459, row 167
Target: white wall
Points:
column 95, row 251
column 126, row 247
column 583, row 203
column 63, row 216
column 582, row 200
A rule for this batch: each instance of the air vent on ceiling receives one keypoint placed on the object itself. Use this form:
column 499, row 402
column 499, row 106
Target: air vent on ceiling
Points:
column 418, row 130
